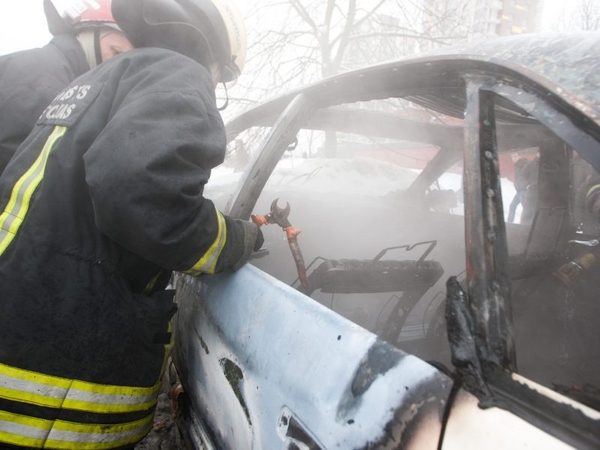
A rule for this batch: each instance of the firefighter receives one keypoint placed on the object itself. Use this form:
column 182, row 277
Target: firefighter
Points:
column 84, row 36
column 99, row 205
column 526, row 179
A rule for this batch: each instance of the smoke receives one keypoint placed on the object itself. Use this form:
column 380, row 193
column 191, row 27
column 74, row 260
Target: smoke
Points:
column 384, row 193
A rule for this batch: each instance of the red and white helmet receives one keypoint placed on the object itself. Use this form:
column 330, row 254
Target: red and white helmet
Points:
column 71, row 16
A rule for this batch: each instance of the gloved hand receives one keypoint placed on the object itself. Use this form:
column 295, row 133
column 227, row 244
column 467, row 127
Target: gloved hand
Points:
column 243, row 238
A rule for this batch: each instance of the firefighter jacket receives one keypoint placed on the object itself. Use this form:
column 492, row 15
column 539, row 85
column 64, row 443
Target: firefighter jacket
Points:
column 102, row 200
column 29, row 80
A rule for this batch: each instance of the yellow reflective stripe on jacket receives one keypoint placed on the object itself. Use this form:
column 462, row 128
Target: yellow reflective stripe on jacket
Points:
column 54, row 392
column 22, row 430
column 14, row 213
column 208, row 262
column 151, row 283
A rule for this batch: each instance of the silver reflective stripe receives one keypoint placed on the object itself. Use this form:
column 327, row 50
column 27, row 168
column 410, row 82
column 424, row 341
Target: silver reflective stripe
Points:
column 18, row 204
column 70, row 436
column 55, row 392
column 108, row 399
column 41, row 433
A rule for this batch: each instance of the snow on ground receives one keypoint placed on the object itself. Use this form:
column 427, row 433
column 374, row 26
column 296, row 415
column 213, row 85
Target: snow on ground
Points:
column 326, row 175
column 359, row 176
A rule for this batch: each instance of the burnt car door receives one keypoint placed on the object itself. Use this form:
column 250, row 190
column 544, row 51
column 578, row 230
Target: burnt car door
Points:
column 527, row 329
column 356, row 354
column 265, row 366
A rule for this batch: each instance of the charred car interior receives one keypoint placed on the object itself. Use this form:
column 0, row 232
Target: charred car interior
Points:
column 437, row 205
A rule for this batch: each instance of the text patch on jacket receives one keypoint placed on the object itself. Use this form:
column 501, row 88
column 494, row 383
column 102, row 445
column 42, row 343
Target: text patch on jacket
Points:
column 68, row 106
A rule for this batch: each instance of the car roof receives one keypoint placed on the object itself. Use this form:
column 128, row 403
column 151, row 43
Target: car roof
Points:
column 566, row 66
column 569, row 61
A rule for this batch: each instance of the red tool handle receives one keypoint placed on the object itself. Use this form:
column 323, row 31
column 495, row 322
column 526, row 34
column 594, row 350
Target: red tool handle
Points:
column 260, row 220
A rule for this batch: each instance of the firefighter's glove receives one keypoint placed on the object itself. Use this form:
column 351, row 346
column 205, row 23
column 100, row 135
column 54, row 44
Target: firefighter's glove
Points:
column 243, row 238
column 260, row 239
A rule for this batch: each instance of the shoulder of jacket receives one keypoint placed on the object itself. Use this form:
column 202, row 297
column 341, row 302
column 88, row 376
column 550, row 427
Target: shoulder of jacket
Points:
column 163, row 68
column 164, row 59
column 41, row 67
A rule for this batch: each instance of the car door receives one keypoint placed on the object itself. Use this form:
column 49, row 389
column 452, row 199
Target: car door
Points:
column 268, row 363
column 526, row 353
column 265, row 366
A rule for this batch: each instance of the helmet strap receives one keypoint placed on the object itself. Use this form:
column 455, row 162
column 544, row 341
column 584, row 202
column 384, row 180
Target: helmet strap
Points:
column 221, row 108
column 86, row 40
column 97, row 49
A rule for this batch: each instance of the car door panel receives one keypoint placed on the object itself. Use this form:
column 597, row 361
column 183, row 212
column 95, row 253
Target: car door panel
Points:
column 269, row 365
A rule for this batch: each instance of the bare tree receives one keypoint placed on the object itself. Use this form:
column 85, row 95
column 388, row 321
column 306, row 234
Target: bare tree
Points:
column 583, row 15
column 588, row 14
column 293, row 42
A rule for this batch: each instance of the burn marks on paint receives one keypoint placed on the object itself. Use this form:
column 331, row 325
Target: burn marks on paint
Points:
column 422, row 404
column 235, row 377
column 380, row 358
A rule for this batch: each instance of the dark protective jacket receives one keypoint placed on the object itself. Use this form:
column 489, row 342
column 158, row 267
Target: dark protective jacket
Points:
column 100, row 203
column 29, row 80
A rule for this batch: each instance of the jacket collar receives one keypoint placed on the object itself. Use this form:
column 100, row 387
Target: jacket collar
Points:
column 71, row 49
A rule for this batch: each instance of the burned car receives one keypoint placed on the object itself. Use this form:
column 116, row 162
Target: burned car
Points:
column 430, row 271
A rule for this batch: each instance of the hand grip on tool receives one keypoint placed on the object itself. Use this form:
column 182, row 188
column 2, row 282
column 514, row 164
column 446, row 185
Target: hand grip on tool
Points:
column 280, row 217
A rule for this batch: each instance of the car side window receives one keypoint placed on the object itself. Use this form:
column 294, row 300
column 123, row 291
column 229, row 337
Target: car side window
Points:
column 555, row 276
column 376, row 190
column 225, row 177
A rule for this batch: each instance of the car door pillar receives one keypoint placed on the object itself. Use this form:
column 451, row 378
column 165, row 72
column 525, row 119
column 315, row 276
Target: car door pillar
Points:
column 486, row 247
column 255, row 177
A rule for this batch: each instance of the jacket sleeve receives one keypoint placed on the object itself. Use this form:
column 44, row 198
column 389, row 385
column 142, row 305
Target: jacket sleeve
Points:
column 146, row 173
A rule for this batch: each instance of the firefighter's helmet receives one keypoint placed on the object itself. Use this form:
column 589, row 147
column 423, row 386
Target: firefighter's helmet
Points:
column 72, row 16
column 215, row 27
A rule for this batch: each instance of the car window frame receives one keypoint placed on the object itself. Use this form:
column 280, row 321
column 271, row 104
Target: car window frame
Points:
column 487, row 276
